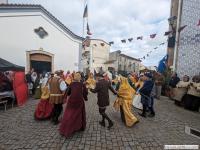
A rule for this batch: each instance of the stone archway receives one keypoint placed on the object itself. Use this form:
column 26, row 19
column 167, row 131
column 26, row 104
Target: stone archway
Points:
column 40, row 58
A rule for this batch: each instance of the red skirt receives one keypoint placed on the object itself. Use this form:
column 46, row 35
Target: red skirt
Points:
column 43, row 110
column 74, row 119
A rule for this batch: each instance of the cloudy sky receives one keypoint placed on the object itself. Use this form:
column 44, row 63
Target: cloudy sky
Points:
column 113, row 20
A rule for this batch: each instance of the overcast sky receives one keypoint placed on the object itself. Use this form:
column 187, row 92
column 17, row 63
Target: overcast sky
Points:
column 113, row 20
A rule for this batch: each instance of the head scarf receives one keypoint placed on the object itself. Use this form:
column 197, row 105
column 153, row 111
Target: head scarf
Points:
column 125, row 90
column 77, row 77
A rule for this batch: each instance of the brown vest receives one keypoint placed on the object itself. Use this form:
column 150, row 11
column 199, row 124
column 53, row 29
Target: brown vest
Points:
column 56, row 96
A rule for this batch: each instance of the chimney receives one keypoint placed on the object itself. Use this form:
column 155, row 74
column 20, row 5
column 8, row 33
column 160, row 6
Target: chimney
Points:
column 3, row 1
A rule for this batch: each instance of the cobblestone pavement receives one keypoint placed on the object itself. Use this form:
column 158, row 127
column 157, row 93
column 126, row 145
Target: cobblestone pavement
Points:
column 18, row 129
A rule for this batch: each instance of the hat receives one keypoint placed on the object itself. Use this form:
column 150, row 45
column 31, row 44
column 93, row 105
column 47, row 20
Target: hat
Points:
column 149, row 75
column 45, row 93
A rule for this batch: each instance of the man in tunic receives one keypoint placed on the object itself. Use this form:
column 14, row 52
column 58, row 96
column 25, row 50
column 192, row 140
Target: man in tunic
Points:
column 102, row 90
column 57, row 87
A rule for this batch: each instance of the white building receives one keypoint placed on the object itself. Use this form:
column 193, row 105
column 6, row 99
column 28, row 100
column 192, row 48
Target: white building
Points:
column 98, row 50
column 122, row 63
column 34, row 38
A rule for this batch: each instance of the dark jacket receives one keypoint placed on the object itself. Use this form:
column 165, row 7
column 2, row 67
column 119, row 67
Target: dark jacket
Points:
column 147, row 88
column 102, row 90
column 173, row 82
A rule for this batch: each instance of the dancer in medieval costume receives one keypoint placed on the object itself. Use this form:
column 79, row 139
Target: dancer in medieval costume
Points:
column 74, row 118
column 102, row 90
column 124, row 102
column 137, row 98
column 145, row 93
column 90, row 82
column 44, row 108
column 57, row 86
column 20, row 88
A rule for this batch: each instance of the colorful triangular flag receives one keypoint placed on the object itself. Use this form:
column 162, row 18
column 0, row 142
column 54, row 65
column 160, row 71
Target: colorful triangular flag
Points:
column 110, row 43
column 139, row 37
column 167, row 33
column 181, row 28
column 152, row 36
column 130, row 39
column 85, row 14
column 156, row 48
column 123, row 41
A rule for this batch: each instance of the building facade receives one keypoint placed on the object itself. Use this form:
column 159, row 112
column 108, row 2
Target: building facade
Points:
column 95, row 55
column 187, row 49
column 32, row 37
column 122, row 63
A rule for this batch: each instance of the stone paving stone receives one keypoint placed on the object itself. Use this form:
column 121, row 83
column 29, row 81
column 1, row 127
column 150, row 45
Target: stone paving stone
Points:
column 18, row 129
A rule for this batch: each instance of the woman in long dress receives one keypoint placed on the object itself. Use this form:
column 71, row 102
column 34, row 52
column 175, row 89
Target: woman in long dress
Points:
column 74, row 118
column 124, row 102
column 44, row 109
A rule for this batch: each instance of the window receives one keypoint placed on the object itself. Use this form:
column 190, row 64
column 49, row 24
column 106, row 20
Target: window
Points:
column 41, row 32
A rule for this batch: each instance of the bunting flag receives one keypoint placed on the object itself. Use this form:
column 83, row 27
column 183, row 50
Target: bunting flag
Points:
column 85, row 14
column 110, row 43
column 152, row 36
column 156, row 48
column 198, row 23
column 167, row 33
column 181, row 28
column 123, row 41
column 162, row 43
column 139, row 37
column 130, row 39
column 88, row 30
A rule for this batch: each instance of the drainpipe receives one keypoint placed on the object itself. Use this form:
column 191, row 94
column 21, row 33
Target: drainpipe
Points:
column 177, row 36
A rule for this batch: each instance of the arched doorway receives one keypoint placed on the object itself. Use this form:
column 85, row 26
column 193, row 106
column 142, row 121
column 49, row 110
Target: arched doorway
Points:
column 40, row 60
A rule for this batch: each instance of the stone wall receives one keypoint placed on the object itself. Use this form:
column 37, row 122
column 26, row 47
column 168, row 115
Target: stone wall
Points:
column 188, row 61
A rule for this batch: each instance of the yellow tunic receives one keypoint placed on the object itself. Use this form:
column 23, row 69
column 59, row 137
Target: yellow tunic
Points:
column 90, row 82
column 126, row 93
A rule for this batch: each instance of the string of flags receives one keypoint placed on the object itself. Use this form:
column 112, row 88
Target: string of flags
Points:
column 152, row 36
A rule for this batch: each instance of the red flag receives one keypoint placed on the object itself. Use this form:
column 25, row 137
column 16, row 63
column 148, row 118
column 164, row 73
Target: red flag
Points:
column 152, row 36
column 88, row 30
column 198, row 23
column 181, row 28
column 168, row 32
column 139, row 37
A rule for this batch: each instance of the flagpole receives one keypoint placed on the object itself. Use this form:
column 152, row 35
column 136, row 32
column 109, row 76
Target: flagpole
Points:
column 83, row 34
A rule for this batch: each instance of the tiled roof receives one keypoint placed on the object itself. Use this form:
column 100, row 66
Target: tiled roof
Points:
column 39, row 7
